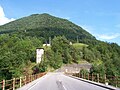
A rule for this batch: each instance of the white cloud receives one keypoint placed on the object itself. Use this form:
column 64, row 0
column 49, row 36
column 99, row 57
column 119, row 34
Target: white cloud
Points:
column 108, row 37
column 3, row 18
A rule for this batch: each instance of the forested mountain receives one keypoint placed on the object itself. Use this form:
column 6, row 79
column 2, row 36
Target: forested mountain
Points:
column 45, row 25
column 20, row 38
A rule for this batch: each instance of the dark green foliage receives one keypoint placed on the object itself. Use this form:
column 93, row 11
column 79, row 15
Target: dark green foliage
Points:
column 61, row 45
column 76, row 55
column 88, row 55
column 45, row 25
column 57, row 60
column 84, row 72
column 19, row 40
column 108, row 53
column 98, row 67
column 15, row 53
column 53, row 59
column 61, row 52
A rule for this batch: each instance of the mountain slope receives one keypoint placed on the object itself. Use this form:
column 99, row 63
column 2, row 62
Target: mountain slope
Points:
column 45, row 25
column 17, row 48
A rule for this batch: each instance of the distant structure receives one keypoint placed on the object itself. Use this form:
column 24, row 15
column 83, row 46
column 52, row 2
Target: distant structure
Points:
column 75, row 68
column 39, row 54
column 70, row 43
column 46, row 45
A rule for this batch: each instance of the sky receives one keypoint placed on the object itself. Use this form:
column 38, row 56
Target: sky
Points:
column 101, row 18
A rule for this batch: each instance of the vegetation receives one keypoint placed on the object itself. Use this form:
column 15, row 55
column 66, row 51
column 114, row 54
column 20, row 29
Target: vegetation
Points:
column 19, row 40
column 15, row 54
column 45, row 26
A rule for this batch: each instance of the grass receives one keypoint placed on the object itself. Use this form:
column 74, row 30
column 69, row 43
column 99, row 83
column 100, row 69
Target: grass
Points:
column 82, row 61
column 80, row 45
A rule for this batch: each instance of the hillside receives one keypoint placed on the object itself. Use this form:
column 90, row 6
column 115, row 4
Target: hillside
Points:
column 20, row 38
column 45, row 25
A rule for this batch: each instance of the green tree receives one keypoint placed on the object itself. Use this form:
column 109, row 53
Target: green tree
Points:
column 98, row 67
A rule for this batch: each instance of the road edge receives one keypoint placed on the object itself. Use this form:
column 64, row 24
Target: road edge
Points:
column 95, row 83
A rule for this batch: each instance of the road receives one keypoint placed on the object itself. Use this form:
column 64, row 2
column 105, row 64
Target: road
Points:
column 59, row 81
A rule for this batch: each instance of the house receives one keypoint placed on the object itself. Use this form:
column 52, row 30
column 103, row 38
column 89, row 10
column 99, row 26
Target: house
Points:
column 39, row 54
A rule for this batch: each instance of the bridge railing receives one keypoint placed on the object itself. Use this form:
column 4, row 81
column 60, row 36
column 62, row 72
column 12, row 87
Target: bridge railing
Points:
column 15, row 83
column 106, row 79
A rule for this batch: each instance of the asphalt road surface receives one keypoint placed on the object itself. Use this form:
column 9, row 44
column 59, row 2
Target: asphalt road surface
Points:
column 58, row 81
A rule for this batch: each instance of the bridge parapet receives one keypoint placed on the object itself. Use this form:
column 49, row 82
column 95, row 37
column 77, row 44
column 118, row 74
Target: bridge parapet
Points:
column 105, row 79
column 15, row 83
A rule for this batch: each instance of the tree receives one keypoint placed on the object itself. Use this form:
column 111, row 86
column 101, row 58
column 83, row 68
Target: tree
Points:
column 15, row 53
column 98, row 67
column 61, row 46
column 88, row 55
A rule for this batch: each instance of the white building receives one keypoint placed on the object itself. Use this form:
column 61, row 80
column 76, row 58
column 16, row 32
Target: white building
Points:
column 46, row 45
column 39, row 54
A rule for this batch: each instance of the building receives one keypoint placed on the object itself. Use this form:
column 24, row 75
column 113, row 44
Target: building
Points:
column 46, row 45
column 75, row 68
column 39, row 54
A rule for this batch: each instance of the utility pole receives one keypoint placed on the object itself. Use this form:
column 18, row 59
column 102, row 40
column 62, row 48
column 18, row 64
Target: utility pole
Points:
column 50, row 40
column 77, row 40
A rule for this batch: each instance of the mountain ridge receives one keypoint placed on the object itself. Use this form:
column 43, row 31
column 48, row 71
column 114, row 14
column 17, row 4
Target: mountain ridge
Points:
column 47, row 23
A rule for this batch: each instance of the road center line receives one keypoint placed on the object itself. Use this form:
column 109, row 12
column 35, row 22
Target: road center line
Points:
column 60, row 85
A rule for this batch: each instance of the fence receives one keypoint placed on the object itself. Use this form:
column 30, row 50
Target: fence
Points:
column 18, row 82
column 106, row 79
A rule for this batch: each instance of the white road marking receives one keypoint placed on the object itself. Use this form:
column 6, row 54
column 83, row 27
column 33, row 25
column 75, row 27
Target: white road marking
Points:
column 64, row 87
column 60, row 85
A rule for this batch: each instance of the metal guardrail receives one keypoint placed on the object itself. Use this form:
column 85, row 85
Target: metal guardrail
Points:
column 105, row 79
column 15, row 83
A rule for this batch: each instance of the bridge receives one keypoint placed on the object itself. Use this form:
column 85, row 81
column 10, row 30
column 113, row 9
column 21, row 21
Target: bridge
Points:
column 60, row 81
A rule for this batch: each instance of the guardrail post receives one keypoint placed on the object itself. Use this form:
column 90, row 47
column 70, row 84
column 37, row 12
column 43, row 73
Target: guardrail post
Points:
column 82, row 75
column 98, row 78
column 35, row 76
column 30, row 78
column 79, row 74
column 88, row 76
column 92, row 76
column 13, row 83
column 20, row 81
column 105, row 78
column 25, row 80
column 3, row 85
column 116, row 80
